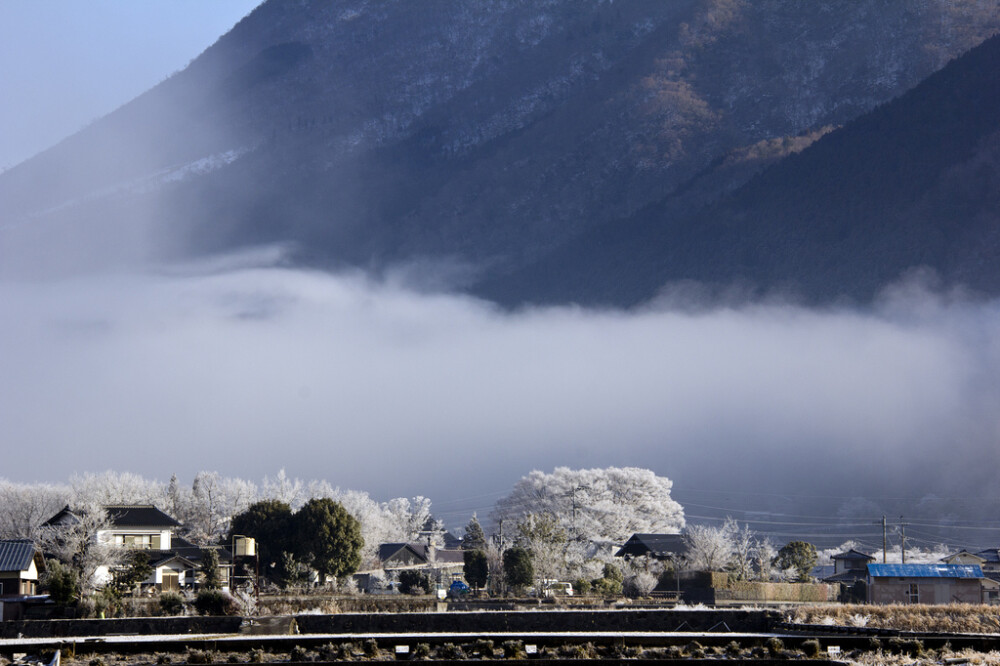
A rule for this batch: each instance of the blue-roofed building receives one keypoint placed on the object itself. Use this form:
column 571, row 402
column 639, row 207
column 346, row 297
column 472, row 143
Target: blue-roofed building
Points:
column 925, row 583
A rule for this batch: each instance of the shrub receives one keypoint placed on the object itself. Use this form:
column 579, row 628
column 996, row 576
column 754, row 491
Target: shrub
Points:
column 201, row 657
column 775, row 646
column 581, row 586
column 733, row 649
column 216, row 602
column 171, row 603
column 451, row 652
column 513, row 649
column 422, row 651
column 484, row 647
column 414, row 582
column 232, row 659
column 162, row 659
column 370, row 647
column 62, row 583
column 811, row 647
column 694, row 650
column 298, row 654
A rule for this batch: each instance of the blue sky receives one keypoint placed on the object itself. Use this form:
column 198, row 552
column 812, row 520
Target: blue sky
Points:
column 65, row 63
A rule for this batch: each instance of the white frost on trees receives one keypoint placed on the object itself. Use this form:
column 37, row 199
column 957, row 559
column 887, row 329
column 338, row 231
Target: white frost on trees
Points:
column 711, row 548
column 596, row 505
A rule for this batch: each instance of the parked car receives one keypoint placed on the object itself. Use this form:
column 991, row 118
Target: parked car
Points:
column 559, row 589
column 458, row 590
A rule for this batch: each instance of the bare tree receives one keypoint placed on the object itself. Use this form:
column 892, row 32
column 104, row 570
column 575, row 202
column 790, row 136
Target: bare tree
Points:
column 216, row 499
column 764, row 553
column 743, row 549
column 543, row 537
column 110, row 488
column 710, row 548
column 82, row 541
column 24, row 507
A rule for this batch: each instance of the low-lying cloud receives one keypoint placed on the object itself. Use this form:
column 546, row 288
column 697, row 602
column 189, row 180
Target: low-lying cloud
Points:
column 247, row 369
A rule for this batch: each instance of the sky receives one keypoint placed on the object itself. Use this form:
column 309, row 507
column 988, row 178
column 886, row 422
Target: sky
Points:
column 245, row 365
column 65, row 63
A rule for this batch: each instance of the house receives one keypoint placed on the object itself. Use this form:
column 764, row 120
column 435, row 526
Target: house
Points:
column 176, row 561
column 925, row 583
column 21, row 563
column 849, row 567
column 395, row 556
column 663, row 547
column 444, row 564
column 989, row 561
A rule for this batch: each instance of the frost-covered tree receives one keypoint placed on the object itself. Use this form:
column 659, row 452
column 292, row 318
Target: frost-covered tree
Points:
column 283, row 489
column 545, row 540
column 24, row 507
column 743, row 548
column 764, row 553
column 215, row 500
column 640, row 583
column 600, row 505
column 81, row 541
column 710, row 548
column 799, row 556
column 110, row 488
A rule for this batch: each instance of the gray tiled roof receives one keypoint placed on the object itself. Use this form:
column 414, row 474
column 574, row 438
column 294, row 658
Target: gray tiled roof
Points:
column 658, row 545
column 16, row 554
column 138, row 515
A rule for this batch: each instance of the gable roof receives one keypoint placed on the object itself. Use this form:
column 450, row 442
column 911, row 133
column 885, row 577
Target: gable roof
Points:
column 991, row 555
column 853, row 555
column 657, row 545
column 449, row 556
column 65, row 516
column 16, row 554
column 139, row 515
column 925, row 571
column 120, row 515
column 387, row 551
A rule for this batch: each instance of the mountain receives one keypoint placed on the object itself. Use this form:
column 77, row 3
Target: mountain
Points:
column 494, row 136
column 912, row 185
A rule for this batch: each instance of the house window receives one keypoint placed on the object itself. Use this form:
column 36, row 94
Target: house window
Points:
column 143, row 541
column 913, row 593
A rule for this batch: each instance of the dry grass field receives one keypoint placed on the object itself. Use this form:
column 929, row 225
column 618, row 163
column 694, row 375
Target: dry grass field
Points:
column 952, row 618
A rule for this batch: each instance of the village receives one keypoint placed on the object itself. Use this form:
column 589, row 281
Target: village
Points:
column 120, row 558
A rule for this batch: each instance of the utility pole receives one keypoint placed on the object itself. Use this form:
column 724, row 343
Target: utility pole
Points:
column 884, row 545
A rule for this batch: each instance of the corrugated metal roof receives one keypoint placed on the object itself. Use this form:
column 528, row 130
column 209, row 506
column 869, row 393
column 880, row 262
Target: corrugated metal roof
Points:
column 925, row 570
column 16, row 554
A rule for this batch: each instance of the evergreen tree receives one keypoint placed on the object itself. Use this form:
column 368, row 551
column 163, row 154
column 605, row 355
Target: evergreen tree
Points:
column 475, row 538
column 328, row 537
column 476, row 568
column 210, row 578
column 133, row 570
column 269, row 522
column 517, row 568
column 798, row 555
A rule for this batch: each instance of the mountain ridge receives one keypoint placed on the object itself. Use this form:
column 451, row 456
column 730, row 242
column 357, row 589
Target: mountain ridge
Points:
column 490, row 135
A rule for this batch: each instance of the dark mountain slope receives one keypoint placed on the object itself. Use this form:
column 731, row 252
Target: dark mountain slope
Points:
column 490, row 133
column 912, row 184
